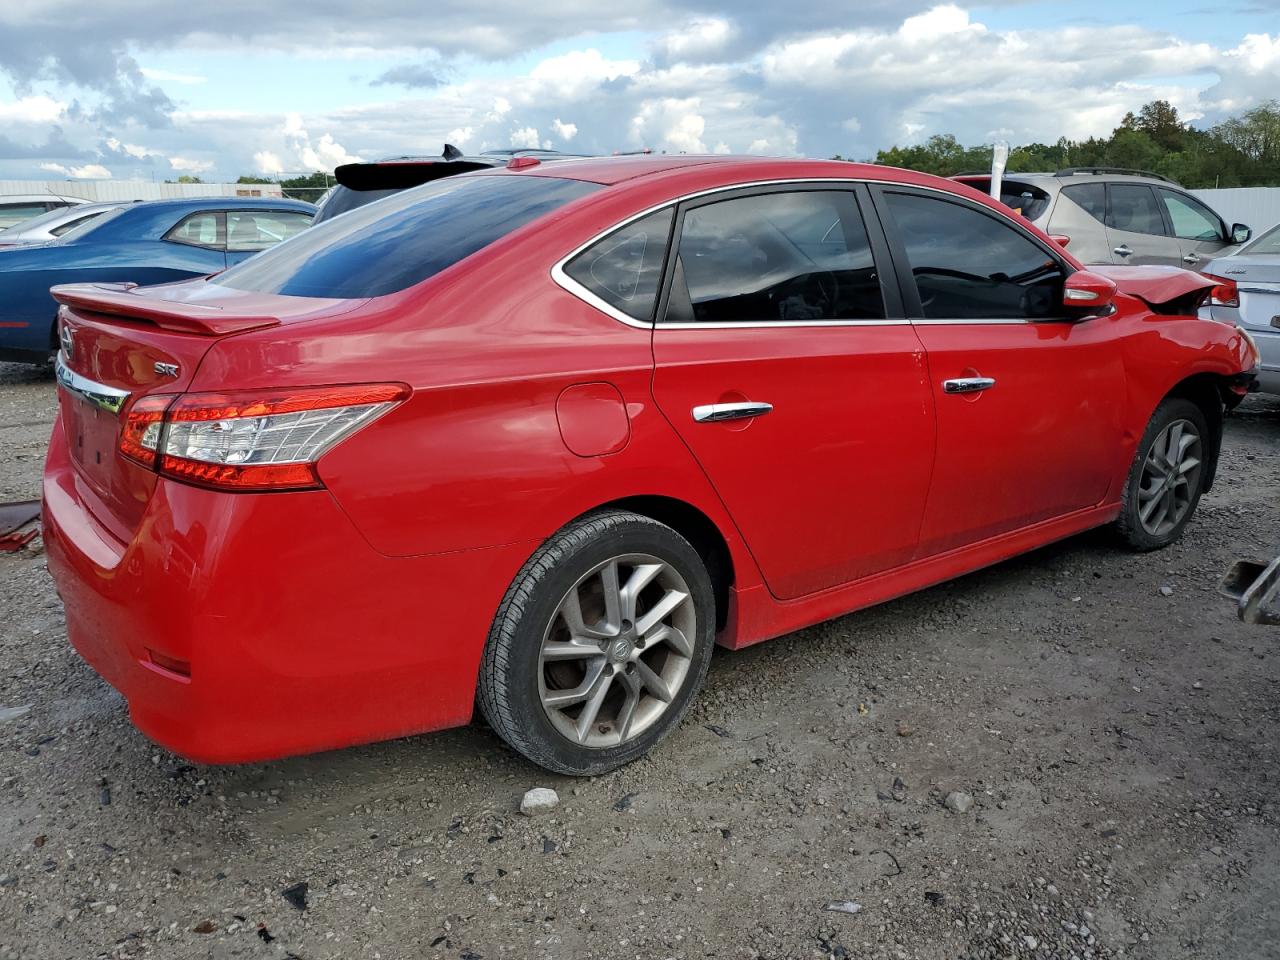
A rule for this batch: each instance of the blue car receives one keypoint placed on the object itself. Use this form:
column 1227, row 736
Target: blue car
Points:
column 145, row 243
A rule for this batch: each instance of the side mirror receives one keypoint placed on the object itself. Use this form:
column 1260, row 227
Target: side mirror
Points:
column 1090, row 291
column 1240, row 233
column 1061, row 239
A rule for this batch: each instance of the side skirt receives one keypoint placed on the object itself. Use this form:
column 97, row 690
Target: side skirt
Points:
column 755, row 615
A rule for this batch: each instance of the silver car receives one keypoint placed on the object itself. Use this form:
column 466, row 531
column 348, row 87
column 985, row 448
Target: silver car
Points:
column 1112, row 215
column 1255, row 271
column 55, row 223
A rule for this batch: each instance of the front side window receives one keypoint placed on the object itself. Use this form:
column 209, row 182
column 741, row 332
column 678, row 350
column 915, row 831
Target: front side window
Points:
column 1191, row 219
column 624, row 269
column 200, row 230
column 1132, row 207
column 792, row 257
column 260, row 229
column 1090, row 197
column 395, row 243
column 970, row 265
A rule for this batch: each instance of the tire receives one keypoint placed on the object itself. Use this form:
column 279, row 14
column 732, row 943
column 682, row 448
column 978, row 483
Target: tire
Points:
column 1153, row 513
column 535, row 663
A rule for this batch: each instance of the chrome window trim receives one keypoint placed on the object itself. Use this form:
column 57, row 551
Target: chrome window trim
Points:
column 110, row 399
column 567, row 283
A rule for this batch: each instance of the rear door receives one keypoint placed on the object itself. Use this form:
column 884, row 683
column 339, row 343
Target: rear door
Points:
column 1201, row 233
column 1136, row 228
column 1028, row 400
column 789, row 370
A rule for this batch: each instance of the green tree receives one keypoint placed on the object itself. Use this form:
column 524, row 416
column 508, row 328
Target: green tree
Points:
column 247, row 179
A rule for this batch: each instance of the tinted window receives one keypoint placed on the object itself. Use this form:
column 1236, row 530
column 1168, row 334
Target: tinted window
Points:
column 1133, row 208
column 199, row 229
column 969, row 265
column 1090, row 197
column 1191, row 220
column 72, row 224
column 790, row 257
column 625, row 268
column 1269, row 242
column 404, row 239
column 259, row 229
column 341, row 199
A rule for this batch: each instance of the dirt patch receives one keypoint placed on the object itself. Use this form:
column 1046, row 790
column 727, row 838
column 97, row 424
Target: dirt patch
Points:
column 1119, row 746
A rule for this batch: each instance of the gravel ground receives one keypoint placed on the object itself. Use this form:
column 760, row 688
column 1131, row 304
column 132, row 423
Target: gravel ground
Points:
column 1114, row 725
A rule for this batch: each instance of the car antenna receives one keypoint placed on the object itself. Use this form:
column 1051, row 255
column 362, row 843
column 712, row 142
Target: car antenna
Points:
column 451, row 152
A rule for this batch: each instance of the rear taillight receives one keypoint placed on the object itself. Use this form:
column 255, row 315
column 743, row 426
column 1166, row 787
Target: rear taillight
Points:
column 1224, row 294
column 250, row 441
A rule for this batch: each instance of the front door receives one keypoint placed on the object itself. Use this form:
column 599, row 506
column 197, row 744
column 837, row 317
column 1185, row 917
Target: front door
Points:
column 796, row 382
column 1028, row 399
column 1201, row 233
column 1136, row 231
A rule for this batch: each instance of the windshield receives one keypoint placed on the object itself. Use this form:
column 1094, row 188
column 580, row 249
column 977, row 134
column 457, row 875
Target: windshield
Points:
column 402, row 240
column 1268, row 242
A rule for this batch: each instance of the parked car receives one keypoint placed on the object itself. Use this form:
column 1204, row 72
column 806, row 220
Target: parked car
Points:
column 55, row 223
column 361, row 183
column 538, row 438
column 1112, row 215
column 15, row 209
column 142, row 243
column 1250, row 298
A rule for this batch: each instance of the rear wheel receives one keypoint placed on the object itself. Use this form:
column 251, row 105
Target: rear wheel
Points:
column 600, row 644
column 1165, row 481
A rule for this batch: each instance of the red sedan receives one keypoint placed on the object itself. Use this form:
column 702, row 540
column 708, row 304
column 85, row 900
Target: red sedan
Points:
column 537, row 438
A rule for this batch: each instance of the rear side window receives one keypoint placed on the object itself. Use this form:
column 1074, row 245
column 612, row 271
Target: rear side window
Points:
column 400, row 241
column 1132, row 207
column 198, row 230
column 624, row 269
column 13, row 213
column 72, row 224
column 970, row 266
column 791, row 257
column 1090, row 197
column 260, row 229
column 1192, row 220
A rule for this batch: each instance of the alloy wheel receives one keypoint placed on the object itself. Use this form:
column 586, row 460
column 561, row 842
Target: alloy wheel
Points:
column 617, row 650
column 1170, row 478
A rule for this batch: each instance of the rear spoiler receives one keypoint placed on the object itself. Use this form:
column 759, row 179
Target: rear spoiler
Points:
column 1164, row 289
column 402, row 174
column 119, row 299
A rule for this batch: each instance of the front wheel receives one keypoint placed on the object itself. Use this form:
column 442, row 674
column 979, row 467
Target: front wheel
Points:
column 600, row 644
column 1166, row 479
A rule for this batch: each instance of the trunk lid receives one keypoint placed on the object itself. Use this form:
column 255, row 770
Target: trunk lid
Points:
column 120, row 342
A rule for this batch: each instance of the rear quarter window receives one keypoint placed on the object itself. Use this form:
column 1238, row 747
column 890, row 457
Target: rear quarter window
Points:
column 395, row 243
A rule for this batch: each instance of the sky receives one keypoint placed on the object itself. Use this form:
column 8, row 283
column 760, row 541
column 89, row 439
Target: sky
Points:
column 134, row 89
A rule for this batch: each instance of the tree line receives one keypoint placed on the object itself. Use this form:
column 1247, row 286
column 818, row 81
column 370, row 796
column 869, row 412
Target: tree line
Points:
column 1242, row 151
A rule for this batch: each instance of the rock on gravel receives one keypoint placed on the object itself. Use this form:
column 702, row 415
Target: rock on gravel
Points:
column 539, row 800
column 958, row 802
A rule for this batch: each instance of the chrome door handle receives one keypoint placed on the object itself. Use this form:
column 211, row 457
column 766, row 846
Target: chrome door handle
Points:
column 1123, row 250
column 716, row 412
column 967, row 384
column 1190, row 258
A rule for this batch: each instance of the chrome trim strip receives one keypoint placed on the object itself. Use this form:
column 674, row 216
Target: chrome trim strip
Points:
column 100, row 395
column 1257, row 286
column 582, row 293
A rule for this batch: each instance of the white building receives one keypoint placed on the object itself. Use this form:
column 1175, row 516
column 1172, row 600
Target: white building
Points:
column 136, row 189
column 1259, row 207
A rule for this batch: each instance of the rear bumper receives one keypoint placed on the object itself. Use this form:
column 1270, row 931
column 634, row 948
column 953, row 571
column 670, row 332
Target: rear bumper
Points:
column 298, row 635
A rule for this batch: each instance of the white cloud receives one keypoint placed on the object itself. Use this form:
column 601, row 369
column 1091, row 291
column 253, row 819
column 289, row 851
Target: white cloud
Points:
column 701, row 39
column 90, row 171
column 267, row 163
column 190, row 165
column 565, row 131
column 527, row 138
column 164, row 76
column 33, row 109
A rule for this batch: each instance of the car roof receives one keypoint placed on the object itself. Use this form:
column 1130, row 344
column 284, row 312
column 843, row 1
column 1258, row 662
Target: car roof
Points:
column 1076, row 175
column 218, row 203
column 38, row 198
